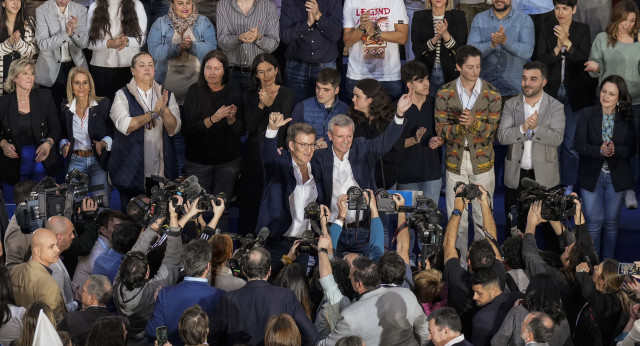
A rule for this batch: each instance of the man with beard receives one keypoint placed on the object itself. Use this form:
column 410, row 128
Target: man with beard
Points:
column 532, row 124
column 506, row 39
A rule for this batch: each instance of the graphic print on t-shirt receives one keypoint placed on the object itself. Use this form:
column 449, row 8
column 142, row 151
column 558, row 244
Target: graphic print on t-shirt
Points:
column 373, row 48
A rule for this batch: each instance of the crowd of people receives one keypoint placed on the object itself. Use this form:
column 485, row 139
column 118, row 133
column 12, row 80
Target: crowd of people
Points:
column 248, row 98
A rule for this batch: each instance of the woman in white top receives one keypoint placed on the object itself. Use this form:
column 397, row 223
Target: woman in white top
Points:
column 117, row 30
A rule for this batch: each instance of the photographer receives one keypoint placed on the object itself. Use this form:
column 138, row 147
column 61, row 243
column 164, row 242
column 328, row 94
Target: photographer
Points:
column 482, row 254
column 376, row 234
column 134, row 291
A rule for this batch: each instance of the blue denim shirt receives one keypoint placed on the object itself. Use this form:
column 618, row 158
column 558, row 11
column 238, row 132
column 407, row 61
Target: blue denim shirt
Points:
column 502, row 66
column 312, row 112
column 162, row 50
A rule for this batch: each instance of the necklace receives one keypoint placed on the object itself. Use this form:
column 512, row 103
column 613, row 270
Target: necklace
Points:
column 23, row 101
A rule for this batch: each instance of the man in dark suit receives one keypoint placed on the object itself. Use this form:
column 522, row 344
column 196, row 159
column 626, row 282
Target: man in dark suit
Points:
column 445, row 328
column 95, row 294
column 537, row 329
column 241, row 315
column 493, row 303
column 564, row 46
column 195, row 289
column 350, row 162
column 289, row 185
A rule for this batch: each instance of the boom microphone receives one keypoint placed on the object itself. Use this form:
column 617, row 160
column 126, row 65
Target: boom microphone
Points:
column 263, row 235
column 531, row 184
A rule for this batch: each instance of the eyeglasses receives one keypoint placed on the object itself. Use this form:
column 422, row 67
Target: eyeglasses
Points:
column 306, row 145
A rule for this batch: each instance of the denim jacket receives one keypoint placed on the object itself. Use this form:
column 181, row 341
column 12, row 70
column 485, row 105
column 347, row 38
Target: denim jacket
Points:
column 162, row 50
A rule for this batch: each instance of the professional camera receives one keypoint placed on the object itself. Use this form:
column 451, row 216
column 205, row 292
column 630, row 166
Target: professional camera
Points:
column 64, row 200
column 312, row 211
column 385, row 201
column 204, row 203
column 189, row 189
column 247, row 243
column 556, row 206
column 469, row 191
column 308, row 238
column 356, row 199
column 425, row 219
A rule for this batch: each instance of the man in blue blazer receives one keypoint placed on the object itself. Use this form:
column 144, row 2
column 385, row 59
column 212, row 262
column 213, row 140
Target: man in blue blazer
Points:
column 289, row 185
column 195, row 289
column 350, row 162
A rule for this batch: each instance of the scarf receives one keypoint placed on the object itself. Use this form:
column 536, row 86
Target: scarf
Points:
column 181, row 24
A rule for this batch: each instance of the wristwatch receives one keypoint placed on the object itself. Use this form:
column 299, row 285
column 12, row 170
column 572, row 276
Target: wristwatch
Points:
column 323, row 250
column 456, row 212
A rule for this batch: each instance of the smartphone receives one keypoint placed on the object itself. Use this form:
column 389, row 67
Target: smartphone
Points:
column 629, row 268
column 161, row 335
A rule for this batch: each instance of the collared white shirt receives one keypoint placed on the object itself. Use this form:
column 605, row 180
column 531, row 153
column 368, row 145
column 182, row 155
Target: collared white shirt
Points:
column 343, row 179
column 63, row 18
column 153, row 153
column 81, row 129
column 455, row 340
column 526, row 162
column 303, row 194
column 191, row 278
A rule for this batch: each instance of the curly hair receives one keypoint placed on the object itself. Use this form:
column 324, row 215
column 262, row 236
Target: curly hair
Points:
column 543, row 294
column 100, row 26
column 340, row 270
column 381, row 110
column 512, row 248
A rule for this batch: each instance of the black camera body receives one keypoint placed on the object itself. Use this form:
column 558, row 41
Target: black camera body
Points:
column 425, row 219
column 469, row 191
column 385, row 202
column 247, row 243
column 160, row 197
column 308, row 238
column 312, row 211
column 204, row 203
column 356, row 199
column 556, row 206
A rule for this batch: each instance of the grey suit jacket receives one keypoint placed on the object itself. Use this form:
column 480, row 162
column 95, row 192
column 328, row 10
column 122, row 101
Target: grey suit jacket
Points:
column 545, row 141
column 51, row 35
column 385, row 316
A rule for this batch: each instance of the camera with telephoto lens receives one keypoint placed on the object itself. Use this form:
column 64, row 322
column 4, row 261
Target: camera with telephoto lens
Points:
column 160, row 197
column 385, row 202
column 556, row 206
column 356, row 199
column 312, row 211
column 64, row 200
column 308, row 238
column 204, row 203
column 469, row 191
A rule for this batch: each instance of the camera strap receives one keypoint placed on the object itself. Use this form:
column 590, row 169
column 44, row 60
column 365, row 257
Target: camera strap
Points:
column 315, row 227
column 491, row 239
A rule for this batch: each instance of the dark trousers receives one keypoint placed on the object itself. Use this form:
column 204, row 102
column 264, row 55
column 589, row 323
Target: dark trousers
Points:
column 108, row 80
column 511, row 199
column 127, row 195
column 59, row 87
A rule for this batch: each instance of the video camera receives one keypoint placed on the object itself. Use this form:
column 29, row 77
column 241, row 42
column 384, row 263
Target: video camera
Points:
column 63, row 200
column 204, row 203
column 425, row 219
column 556, row 206
column 247, row 243
column 189, row 189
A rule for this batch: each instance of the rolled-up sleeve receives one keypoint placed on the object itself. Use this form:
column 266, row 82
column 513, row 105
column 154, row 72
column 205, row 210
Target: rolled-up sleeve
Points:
column 120, row 113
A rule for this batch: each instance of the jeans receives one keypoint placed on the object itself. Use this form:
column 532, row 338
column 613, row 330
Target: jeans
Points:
column 601, row 209
column 240, row 79
column 29, row 170
column 353, row 241
column 215, row 179
column 488, row 180
column 431, row 190
column 97, row 175
column 412, row 6
column 154, row 10
column 436, row 80
column 394, row 88
column 569, row 158
column 635, row 164
column 301, row 77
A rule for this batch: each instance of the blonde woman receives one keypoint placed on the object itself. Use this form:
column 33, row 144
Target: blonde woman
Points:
column 87, row 129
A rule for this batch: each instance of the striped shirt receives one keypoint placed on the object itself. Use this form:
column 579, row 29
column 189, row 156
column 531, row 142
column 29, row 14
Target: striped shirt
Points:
column 232, row 22
column 25, row 48
column 449, row 44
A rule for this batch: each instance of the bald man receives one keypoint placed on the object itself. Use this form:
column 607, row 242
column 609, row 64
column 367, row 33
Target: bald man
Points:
column 32, row 281
column 63, row 229
column 537, row 329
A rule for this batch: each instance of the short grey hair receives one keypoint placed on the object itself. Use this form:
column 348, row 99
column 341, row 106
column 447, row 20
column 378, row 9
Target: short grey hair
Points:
column 100, row 286
column 15, row 69
column 341, row 120
column 196, row 256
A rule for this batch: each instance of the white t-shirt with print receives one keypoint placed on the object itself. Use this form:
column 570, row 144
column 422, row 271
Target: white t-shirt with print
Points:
column 378, row 60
